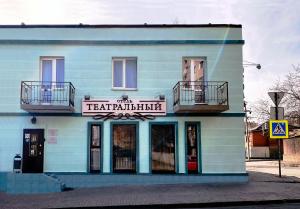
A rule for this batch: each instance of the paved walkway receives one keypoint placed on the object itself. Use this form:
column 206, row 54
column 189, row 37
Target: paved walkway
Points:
column 261, row 187
column 271, row 167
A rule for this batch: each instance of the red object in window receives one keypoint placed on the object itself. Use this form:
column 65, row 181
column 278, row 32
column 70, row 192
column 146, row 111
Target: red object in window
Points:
column 192, row 164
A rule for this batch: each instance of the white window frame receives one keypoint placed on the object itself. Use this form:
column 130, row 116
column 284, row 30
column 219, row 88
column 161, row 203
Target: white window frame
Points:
column 123, row 73
column 53, row 59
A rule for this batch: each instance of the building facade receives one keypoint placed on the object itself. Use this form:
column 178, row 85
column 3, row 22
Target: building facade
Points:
column 129, row 99
column 260, row 144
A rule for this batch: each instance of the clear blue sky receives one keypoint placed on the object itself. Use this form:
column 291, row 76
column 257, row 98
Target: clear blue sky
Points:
column 271, row 28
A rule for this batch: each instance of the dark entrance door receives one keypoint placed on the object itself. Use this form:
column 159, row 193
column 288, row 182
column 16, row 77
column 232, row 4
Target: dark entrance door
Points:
column 33, row 150
column 124, row 148
column 163, row 148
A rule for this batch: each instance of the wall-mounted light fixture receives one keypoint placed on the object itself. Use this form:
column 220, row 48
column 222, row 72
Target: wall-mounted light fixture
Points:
column 249, row 64
column 125, row 97
column 162, row 97
column 33, row 120
column 87, row 97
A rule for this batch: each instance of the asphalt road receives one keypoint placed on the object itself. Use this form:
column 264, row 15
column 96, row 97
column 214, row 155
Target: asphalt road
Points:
column 277, row 206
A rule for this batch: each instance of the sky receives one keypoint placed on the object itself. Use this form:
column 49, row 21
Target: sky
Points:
column 271, row 28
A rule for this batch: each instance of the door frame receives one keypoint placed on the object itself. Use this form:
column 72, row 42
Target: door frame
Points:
column 89, row 134
column 175, row 123
column 204, row 66
column 43, row 143
column 137, row 138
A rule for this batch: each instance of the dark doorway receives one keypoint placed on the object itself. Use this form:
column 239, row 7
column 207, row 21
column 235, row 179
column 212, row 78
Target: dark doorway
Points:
column 163, row 148
column 124, row 148
column 33, row 150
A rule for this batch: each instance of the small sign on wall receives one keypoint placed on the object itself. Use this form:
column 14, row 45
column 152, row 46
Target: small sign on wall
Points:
column 52, row 136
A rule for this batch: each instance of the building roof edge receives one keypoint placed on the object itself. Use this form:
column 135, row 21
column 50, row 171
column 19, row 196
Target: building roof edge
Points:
column 124, row 26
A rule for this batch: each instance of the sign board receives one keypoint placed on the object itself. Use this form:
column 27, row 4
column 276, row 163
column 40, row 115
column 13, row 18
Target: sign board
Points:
column 273, row 113
column 273, row 96
column 124, row 107
column 52, row 136
column 279, row 129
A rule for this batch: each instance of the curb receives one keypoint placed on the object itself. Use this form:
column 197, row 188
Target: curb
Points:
column 192, row 205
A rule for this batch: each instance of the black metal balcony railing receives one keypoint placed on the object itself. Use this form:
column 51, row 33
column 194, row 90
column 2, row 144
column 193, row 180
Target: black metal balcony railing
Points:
column 210, row 93
column 47, row 94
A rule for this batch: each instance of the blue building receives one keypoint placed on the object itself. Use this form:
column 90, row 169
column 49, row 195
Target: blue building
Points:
column 151, row 103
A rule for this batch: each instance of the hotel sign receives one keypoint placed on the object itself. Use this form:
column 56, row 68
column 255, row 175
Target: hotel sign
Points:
column 124, row 109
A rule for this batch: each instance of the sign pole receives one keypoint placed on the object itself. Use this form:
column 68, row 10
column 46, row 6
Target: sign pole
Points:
column 281, row 130
column 279, row 141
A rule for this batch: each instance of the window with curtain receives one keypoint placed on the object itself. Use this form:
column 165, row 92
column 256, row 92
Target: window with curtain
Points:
column 53, row 71
column 163, row 148
column 125, row 73
column 52, row 77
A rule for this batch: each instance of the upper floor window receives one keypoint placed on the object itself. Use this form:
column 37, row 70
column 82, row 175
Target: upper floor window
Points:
column 193, row 77
column 52, row 70
column 124, row 73
column 193, row 69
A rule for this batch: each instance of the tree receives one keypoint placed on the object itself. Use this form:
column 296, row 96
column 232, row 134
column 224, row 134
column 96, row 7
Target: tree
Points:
column 260, row 111
column 291, row 101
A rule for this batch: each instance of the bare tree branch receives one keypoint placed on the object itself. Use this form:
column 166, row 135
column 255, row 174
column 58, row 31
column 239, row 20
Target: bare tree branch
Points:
column 291, row 101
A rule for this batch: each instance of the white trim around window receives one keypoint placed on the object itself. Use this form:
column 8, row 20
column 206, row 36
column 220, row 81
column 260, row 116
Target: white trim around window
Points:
column 123, row 85
column 53, row 60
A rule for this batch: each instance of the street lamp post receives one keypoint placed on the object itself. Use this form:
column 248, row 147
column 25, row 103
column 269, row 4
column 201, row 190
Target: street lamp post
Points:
column 258, row 66
column 251, row 64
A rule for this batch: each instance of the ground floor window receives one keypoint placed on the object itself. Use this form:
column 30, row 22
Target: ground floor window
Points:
column 192, row 144
column 163, row 153
column 95, row 148
column 163, row 148
column 124, row 148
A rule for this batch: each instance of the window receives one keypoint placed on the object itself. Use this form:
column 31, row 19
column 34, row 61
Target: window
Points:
column 193, row 77
column 193, row 69
column 124, row 148
column 95, row 148
column 192, row 147
column 124, row 73
column 52, row 78
column 52, row 70
column 163, row 148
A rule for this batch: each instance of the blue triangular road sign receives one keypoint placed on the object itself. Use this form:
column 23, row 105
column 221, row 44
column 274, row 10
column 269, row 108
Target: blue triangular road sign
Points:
column 279, row 130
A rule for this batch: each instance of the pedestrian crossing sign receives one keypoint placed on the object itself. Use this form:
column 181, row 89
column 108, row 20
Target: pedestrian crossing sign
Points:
column 279, row 129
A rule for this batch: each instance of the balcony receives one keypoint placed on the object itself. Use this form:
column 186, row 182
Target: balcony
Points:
column 200, row 97
column 47, row 97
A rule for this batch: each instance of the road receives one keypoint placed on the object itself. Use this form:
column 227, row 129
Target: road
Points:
column 277, row 206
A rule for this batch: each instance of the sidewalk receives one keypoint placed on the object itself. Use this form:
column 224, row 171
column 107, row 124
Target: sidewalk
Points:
column 261, row 187
column 271, row 167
